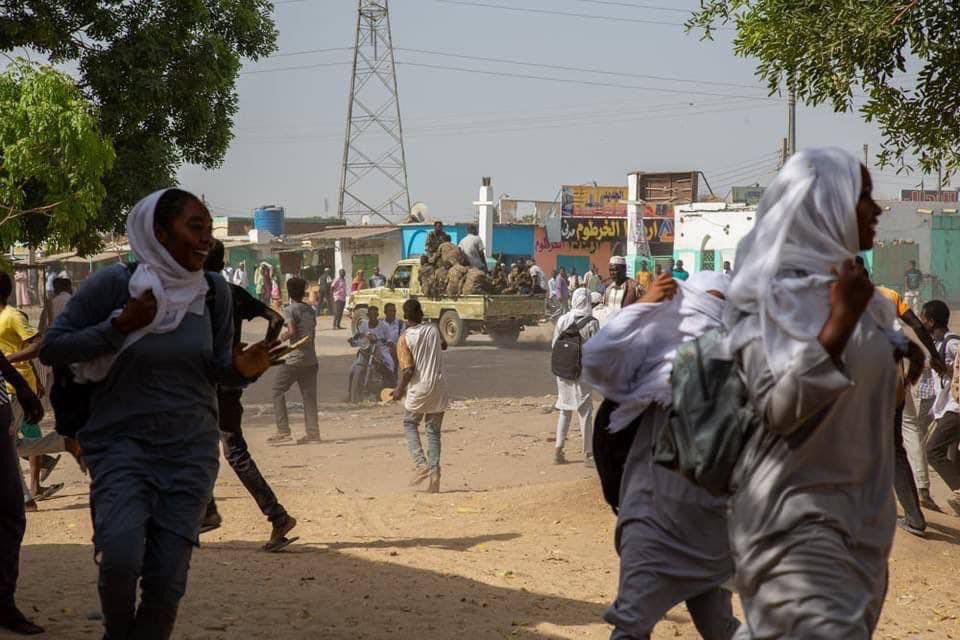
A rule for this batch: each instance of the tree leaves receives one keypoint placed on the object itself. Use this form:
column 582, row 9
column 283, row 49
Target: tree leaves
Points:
column 830, row 50
column 161, row 72
column 52, row 158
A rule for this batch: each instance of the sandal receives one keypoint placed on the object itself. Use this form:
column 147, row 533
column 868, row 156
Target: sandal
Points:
column 47, row 492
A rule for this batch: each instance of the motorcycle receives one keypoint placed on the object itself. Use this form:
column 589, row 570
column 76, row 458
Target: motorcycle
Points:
column 369, row 374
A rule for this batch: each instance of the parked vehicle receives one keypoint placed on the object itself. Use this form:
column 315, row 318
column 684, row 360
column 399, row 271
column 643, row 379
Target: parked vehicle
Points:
column 502, row 317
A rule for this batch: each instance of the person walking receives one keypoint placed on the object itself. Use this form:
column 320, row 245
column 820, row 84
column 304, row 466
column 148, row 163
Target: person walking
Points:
column 152, row 343
column 917, row 415
column 13, row 519
column 671, row 535
column 338, row 292
column 812, row 521
column 563, row 290
column 240, row 276
column 622, row 291
column 264, row 283
column 235, row 449
column 945, row 433
column 301, row 367
column 575, row 395
column 423, row 386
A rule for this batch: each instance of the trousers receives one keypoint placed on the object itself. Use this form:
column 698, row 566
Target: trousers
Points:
column 159, row 560
column 13, row 520
column 916, row 424
column 411, row 428
column 306, row 378
column 237, row 453
column 338, row 307
column 585, row 416
column 945, row 435
column 903, row 483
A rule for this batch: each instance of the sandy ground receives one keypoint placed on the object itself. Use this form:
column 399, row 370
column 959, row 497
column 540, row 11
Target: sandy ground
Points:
column 513, row 546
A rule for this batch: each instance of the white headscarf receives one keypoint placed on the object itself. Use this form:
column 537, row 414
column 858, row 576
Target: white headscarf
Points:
column 580, row 307
column 806, row 224
column 176, row 289
column 629, row 361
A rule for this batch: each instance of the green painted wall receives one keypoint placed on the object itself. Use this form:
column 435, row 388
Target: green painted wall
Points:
column 945, row 256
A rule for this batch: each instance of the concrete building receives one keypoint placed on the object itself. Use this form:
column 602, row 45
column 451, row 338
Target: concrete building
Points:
column 707, row 233
column 354, row 248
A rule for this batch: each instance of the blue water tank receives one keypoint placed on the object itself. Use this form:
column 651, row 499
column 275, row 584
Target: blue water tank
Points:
column 269, row 218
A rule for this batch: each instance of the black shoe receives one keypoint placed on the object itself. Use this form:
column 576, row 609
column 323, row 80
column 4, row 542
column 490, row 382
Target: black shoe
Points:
column 281, row 529
column 13, row 620
column 909, row 528
column 210, row 522
column 47, row 465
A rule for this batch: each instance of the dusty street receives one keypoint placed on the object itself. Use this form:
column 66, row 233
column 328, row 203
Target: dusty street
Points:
column 513, row 546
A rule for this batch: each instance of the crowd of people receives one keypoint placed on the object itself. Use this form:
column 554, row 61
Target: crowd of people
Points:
column 803, row 537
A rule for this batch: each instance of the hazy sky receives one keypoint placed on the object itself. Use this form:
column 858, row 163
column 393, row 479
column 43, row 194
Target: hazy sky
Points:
column 531, row 135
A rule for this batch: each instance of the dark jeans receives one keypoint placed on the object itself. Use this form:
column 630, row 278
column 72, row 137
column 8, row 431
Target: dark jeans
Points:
column 903, row 483
column 339, row 305
column 160, row 560
column 13, row 521
column 944, row 436
column 238, row 455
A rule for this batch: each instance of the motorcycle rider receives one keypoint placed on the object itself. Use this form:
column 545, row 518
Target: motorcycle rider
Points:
column 371, row 328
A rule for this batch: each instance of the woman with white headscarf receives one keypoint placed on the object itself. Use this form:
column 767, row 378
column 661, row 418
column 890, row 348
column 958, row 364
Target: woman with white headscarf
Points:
column 574, row 395
column 813, row 517
column 153, row 342
column 671, row 535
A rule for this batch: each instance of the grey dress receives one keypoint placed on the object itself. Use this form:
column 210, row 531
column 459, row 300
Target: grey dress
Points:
column 672, row 539
column 152, row 438
column 812, row 521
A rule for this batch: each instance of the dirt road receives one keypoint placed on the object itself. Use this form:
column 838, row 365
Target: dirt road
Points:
column 512, row 547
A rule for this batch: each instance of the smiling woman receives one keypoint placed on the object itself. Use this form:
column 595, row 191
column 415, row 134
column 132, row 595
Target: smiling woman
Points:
column 155, row 339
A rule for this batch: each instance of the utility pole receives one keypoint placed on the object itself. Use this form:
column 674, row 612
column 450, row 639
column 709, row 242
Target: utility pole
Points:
column 373, row 180
column 783, row 152
column 792, row 123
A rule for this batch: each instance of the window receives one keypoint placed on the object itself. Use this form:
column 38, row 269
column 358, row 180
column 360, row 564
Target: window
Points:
column 401, row 277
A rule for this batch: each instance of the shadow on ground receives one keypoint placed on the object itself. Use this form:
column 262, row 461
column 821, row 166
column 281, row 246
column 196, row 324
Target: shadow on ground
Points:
column 317, row 590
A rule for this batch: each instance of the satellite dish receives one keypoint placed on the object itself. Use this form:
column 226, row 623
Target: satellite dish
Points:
column 364, row 220
column 419, row 211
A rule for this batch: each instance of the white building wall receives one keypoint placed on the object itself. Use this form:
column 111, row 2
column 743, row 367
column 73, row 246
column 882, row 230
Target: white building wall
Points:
column 910, row 221
column 707, row 226
column 389, row 252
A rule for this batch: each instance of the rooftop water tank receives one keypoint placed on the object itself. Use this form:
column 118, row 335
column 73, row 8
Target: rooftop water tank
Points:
column 269, row 218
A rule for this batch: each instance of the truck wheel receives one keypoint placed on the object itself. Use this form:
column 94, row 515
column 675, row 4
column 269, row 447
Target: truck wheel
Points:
column 452, row 329
column 505, row 337
column 358, row 315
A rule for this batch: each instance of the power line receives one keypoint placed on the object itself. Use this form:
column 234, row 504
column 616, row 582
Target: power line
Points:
column 592, row 83
column 284, row 54
column 637, row 5
column 299, row 68
column 585, row 16
column 558, row 67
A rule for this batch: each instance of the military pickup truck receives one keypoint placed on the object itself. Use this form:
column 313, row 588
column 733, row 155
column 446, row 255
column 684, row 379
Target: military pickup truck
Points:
column 502, row 317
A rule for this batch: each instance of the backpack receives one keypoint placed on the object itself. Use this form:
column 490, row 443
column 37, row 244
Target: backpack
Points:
column 711, row 418
column 70, row 399
column 566, row 359
column 610, row 452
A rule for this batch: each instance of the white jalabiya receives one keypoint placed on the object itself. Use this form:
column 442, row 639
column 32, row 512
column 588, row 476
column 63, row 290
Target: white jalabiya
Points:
column 806, row 225
column 427, row 392
column 572, row 394
column 811, row 523
column 176, row 289
column 629, row 361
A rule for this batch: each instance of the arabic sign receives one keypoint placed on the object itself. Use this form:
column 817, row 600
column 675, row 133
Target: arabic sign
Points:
column 591, row 230
column 589, row 200
column 916, row 195
column 590, row 233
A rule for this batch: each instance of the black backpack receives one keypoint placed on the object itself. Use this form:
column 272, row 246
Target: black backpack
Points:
column 566, row 359
column 70, row 400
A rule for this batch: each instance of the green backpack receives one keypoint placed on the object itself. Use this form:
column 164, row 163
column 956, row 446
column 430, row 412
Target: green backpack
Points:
column 712, row 416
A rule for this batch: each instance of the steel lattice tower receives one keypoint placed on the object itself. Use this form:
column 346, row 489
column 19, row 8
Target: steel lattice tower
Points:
column 374, row 176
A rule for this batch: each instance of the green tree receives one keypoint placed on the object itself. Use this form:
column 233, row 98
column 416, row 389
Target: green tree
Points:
column 52, row 157
column 829, row 49
column 162, row 74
